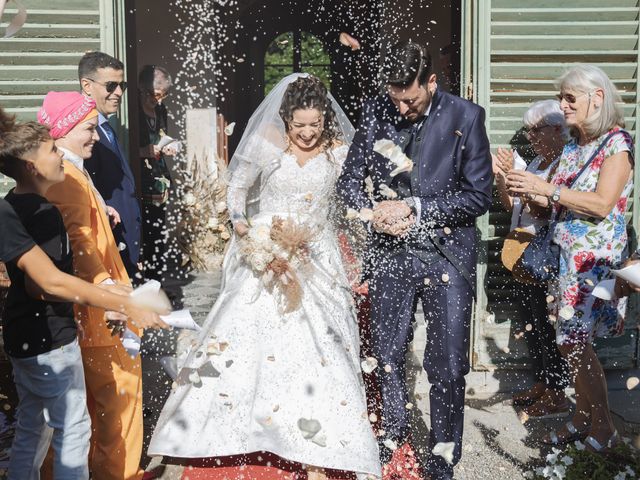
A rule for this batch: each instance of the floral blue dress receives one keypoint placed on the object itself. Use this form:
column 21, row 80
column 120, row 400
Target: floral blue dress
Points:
column 590, row 248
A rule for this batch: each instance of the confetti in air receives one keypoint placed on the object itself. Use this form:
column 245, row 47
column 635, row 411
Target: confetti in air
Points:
column 228, row 130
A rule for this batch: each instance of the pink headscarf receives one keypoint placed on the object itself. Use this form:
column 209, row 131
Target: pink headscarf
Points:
column 61, row 111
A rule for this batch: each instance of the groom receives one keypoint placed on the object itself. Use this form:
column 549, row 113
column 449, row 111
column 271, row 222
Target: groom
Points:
column 422, row 241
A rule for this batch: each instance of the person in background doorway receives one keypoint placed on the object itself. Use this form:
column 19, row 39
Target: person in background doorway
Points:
column 154, row 84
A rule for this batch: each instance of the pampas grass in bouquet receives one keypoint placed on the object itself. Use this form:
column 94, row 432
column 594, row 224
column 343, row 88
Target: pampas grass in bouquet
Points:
column 204, row 227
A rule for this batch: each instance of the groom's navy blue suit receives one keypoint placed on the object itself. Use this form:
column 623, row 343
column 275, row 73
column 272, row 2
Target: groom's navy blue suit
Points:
column 436, row 262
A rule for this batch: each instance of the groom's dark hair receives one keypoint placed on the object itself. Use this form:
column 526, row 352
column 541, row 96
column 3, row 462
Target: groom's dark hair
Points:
column 405, row 62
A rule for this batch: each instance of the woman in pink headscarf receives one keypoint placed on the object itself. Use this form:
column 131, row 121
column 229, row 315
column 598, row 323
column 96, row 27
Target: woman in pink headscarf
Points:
column 113, row 378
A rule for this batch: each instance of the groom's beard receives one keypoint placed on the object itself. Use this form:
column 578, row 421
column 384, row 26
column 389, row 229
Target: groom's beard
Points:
column 415, row 116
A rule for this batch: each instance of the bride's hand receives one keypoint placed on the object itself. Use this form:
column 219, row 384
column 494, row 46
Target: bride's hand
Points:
column 241, row 229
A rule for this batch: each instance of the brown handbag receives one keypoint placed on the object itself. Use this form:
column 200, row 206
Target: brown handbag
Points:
column 514, row 245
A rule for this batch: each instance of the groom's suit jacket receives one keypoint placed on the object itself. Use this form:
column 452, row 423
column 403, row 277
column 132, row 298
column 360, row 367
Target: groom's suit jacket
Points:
column 451, row 178
column 114, row 180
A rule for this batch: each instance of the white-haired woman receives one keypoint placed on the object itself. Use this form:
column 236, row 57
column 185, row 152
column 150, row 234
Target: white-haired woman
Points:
column 591, row 233
column 548, row 134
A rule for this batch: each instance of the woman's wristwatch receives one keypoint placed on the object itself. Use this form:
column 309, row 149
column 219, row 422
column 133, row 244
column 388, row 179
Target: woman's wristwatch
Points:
column 555, row 196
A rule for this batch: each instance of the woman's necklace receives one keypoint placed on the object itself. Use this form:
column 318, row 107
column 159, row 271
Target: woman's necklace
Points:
column 151, row 121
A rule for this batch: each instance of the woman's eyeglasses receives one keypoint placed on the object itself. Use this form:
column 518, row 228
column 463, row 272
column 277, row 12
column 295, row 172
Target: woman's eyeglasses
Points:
column 570, row 97
column 535, row 131
column 157, row 95
column 110, row 87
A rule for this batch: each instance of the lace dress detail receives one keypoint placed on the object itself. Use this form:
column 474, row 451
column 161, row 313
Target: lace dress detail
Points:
column 284, row 185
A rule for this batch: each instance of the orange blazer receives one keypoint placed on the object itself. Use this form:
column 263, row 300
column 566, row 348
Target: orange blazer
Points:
column 95, row 254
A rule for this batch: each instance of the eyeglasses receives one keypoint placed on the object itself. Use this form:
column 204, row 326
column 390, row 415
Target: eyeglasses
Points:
column 535, row 131
column 571, row 98
column 110, row 86
column 157, row 95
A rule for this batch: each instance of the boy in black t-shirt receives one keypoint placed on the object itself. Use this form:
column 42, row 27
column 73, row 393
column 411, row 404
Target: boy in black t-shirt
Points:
column 14, row 240
column 16, row 245
column 40, row 336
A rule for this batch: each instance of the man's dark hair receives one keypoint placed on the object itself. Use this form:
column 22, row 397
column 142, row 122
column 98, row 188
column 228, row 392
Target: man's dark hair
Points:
column 92, row 61
column 405, row 62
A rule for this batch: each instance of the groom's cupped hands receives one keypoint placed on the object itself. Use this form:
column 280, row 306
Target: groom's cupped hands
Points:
column 393, row 217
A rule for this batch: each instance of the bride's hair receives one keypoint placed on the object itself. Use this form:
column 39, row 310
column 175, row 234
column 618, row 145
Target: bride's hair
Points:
column 310, row 92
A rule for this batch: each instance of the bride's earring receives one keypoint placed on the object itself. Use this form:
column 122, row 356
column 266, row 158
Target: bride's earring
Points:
column 287, row 141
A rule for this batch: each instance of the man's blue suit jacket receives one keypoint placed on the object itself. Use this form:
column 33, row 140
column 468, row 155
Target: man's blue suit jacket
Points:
column 114, row 180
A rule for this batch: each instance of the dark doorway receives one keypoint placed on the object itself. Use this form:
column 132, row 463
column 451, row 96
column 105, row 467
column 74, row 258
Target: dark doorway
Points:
column 253, row 29
column 304, row 38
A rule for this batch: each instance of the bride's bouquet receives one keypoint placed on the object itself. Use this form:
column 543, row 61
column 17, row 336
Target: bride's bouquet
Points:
column 278, row 254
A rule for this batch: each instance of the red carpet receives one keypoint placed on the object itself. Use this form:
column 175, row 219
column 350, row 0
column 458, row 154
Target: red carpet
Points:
column 256, row 466
column 266, row 466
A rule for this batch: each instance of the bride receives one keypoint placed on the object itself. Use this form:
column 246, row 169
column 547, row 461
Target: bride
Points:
column 273, row 370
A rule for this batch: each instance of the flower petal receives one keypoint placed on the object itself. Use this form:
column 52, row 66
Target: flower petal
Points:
column 228, row 130
column 405, row 166
column 369, row 364
column 366, row 214
column 385, row 191
column 309, row 427
column 444, row 450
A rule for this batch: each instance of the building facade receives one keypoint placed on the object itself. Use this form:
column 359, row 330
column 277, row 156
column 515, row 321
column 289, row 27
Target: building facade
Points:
column 502, row 54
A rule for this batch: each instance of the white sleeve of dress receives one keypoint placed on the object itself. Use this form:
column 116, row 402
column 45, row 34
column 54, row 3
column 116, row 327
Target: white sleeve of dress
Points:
column 252, row 160
column 242, row 179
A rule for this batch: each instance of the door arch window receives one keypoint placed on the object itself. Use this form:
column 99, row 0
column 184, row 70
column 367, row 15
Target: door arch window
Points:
column 296, row 51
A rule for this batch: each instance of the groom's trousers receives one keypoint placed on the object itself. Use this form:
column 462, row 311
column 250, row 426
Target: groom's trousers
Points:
column 397, row 283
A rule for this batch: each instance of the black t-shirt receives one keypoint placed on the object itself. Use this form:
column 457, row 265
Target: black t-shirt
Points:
column 31, row 326
column 14, row 239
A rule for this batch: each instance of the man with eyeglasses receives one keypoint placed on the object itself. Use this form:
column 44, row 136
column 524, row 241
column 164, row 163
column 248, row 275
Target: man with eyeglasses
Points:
column 102, row 78
column 113, row 378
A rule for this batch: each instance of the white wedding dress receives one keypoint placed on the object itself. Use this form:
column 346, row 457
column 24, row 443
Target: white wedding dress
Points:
column 279, row 375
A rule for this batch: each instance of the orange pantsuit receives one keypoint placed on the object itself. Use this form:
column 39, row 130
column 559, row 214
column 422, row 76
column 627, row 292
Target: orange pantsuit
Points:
column 113, row 378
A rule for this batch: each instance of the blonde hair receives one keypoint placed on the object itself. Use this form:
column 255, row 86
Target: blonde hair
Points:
column 585, row 78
